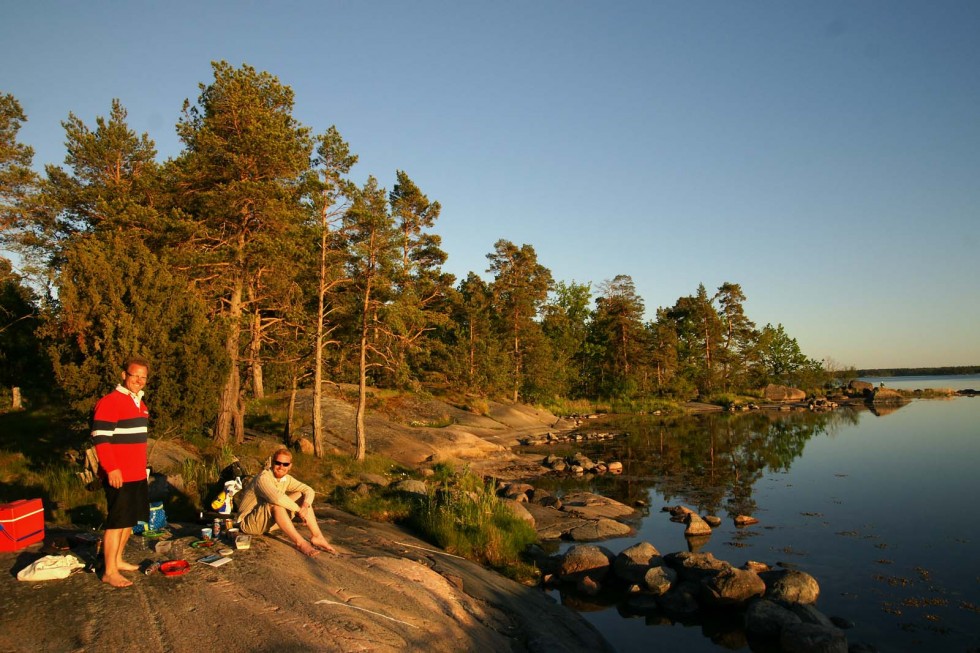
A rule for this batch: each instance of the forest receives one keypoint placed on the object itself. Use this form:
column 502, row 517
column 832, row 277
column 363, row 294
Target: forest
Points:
column 250, row 264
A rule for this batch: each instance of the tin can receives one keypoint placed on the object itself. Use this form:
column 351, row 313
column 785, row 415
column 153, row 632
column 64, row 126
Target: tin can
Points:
column 216, row 528
column 152, row 567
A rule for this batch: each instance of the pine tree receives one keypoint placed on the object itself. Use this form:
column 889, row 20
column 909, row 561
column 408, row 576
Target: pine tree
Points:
column 520, row 287
column 239, row 187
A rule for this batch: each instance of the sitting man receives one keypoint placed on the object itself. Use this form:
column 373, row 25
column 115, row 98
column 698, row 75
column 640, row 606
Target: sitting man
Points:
column 273, row 497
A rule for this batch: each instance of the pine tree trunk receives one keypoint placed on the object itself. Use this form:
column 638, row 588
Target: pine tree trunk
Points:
column 317, row 420
column 291, row 413
column 255, row 348
column 228, row 411
column 360, row 434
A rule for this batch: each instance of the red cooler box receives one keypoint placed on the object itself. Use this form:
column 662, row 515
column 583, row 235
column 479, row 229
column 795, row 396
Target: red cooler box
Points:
column 21, row 524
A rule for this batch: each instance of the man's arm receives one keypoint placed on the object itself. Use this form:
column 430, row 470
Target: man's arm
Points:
column 295, row 485
column 268, row 490
column 103, row 428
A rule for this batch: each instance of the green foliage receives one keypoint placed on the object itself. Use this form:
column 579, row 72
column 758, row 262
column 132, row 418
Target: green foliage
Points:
column 117, row 300
column 17, row 179
column 464, row 516
column 22, row 360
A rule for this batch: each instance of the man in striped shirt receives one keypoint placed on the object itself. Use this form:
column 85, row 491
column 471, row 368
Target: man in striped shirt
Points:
column 271, row 499
column 119, row 431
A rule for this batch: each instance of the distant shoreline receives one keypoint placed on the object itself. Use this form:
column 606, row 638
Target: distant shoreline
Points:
column 960, row 370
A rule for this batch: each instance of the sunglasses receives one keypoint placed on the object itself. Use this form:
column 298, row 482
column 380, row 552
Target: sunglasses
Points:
column 280, row 463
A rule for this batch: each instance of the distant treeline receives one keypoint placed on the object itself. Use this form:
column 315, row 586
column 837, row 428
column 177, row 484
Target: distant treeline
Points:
column 922, row 371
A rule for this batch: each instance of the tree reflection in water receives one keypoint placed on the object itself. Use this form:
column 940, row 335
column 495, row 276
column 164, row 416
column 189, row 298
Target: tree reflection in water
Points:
column 708, row 462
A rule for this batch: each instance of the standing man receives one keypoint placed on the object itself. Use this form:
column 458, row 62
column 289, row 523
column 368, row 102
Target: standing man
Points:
column 271, row 499
column 119, row 430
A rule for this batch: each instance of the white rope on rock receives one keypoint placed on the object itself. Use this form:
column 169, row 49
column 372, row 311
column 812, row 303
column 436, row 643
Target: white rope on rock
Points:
column 451, row 555
column 354, row 607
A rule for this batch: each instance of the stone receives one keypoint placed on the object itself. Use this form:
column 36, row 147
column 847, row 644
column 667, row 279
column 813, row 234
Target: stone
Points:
column 518, row 510
column 585, row 560
column 599, row 529
column 860, row 386
column 712, row 521
column 757, row 567
column 679, row 511
column 306, row 446
column 517, row 491
column 773, row 392
column 659, row 580
column 732, row 587
column 767, row 619
column 745, row 520
column 586, row 585
column 549, row 502
column 809, row 614
column 633, row 562
column 593, row 506
column 411, row 486
column 374, row 479
column 680, row 600
column 886, row 396
column 811, row 638
column 696, row 526
column 615, row 467
column 695, row 566
column 791, row 586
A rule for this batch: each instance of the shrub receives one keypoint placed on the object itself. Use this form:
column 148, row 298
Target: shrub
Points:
column 464, row 517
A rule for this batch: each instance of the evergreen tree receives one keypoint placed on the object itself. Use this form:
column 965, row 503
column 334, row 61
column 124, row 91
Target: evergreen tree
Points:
column 110, row 181
column 373, row 267
column 566, row 325
column 17, row 179
column 329, row 194
column 520, row 287
column 699, row 332
column 22, row 363
column 419, row 305
column 617, row 329
column 738, row 337
column 475, row 357
column 115, row 300
column 245, row 156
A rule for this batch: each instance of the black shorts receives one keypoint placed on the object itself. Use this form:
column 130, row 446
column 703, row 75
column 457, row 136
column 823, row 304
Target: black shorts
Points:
column 128, row 504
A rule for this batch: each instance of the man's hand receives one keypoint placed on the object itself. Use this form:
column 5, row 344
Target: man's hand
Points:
column 305, row 510
column 116, row 478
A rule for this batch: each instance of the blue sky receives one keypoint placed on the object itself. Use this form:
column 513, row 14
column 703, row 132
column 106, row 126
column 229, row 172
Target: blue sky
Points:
column 824, row 155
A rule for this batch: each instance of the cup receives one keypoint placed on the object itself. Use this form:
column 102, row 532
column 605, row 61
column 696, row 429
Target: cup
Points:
column 206, row 534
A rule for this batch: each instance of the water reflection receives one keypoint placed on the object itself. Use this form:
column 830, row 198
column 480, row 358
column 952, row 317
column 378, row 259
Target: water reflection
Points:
column 708, row 462
column 847, row 496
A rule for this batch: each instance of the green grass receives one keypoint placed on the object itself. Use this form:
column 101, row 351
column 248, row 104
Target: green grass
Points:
column 464, row 516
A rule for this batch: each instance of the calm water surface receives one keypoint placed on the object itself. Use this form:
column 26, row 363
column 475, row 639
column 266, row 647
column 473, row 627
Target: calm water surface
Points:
column 880, row 509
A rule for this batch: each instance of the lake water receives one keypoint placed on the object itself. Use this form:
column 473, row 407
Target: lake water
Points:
column 880, row 509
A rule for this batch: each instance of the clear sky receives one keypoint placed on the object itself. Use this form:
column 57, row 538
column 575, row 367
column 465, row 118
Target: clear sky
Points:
column 824, row 155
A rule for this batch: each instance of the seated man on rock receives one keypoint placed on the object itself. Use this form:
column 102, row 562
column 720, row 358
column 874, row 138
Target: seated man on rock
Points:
column 272, row 498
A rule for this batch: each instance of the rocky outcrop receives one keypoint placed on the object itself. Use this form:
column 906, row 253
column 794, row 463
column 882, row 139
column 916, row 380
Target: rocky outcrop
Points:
column 860, row 387
column 884, row 395
column 774, row 392
column 777, row 605
column 579, row 516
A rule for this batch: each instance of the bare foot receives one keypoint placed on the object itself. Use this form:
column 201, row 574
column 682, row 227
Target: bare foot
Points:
column 322, row 544
column 127, row 566
column 116, row 580
column 307, row 549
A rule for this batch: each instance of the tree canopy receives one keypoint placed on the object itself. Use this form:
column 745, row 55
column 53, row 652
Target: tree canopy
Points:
column 251, row 263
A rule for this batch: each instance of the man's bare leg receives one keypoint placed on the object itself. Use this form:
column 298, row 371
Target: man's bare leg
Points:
column 316, row 536
column 113, row 543
column 285, row 522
